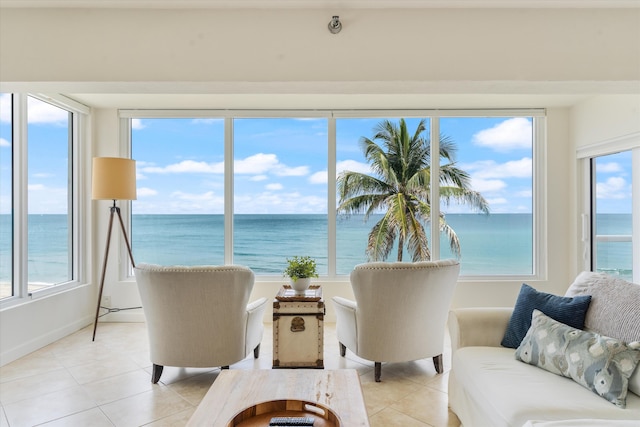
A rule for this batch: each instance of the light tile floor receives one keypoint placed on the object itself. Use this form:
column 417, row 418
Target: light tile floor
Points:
column 77, row 382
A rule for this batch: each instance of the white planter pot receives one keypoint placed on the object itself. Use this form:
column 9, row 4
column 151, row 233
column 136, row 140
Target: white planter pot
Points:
column 300, row 285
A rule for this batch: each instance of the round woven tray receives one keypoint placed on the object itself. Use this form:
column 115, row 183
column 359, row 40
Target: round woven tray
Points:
column 260, row 414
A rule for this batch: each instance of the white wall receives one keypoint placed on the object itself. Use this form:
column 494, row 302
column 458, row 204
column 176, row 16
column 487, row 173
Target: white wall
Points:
column 605, row 118
column 443, row 51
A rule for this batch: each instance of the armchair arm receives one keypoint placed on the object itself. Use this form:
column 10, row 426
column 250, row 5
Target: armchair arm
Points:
column 346, row 322
column 255, row 323
column 478, row 326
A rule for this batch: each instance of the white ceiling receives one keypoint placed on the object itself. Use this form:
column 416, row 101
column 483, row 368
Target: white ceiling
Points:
column 316, row 95
column 322, row 4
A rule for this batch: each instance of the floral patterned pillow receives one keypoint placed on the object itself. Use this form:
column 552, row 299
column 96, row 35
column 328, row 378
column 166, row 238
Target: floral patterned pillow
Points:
column 599, row 363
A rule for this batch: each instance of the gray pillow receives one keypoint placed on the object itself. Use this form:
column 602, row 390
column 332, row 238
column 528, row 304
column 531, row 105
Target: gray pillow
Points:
column 599, row 363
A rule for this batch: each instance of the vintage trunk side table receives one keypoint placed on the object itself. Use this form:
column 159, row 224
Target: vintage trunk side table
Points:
column 298, row 328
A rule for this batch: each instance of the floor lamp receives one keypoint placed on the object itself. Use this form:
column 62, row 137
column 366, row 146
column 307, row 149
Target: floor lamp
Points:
column 113, row 178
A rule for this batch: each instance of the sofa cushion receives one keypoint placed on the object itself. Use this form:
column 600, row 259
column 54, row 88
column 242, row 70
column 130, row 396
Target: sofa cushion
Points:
column 489, row 387
column 613, row 311
column 568, row 310
column 601, row 364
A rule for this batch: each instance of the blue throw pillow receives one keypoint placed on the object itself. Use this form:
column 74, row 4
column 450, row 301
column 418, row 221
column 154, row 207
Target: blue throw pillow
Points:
column 570, row 311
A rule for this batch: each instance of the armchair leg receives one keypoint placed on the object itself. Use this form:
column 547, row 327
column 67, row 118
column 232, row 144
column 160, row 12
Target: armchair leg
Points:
column 378, row 371
column 438, row 364
column 256, row 352
column 224, row 367
column 157, row 371
column 343, row 349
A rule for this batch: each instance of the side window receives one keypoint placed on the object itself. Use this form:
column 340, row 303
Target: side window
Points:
column 612, row 216
column 6, row 204
column 50, row 247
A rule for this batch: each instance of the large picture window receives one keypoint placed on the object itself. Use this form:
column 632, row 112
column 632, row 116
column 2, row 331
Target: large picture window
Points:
column 280, row 195
column 178, row 217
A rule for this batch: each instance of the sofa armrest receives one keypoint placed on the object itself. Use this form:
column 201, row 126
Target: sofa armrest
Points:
column 478, row 326
column 346, row 322
column 255, row 323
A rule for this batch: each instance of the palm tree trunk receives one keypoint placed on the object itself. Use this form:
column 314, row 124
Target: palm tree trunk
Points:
column 400, row 246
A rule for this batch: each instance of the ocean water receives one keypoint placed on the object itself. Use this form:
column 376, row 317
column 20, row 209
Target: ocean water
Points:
column 497, row 244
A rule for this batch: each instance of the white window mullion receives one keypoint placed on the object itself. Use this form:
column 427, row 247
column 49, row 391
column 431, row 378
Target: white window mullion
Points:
column 20, row 196
column 228, row 190
column 331, row 199
column 635, row 213
column 435, row 188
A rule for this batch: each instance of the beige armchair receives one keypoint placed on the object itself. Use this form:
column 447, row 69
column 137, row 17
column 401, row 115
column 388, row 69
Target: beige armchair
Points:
column 198, row 316
column 400, row 311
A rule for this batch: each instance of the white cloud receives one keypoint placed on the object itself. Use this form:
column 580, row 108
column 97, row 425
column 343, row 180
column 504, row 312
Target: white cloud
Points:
column 42, row 112
column 145, row 192
column 515, row 133
column 497, row 201
column 186, row 166
column 273, row 187
column 36, row 187
column 256, row 164
column 611, row 167
column 612, row 188
column 487, row 185
column 5, row 108
column 4, row 143
column 136, row 124
column 353, row 166
column 319, row 178
column 283, row 170
column 489, row 169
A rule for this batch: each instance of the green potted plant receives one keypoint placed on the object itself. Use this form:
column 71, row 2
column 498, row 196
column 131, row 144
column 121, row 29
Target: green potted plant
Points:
column 300, row 270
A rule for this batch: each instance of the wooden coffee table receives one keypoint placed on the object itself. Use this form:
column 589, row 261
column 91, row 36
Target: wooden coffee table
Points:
column 235, row 390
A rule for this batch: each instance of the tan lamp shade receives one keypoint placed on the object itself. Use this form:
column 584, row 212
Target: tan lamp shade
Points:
column 113, row 178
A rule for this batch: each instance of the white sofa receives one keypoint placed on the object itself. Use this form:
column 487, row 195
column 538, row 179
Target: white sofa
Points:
column 489, row 387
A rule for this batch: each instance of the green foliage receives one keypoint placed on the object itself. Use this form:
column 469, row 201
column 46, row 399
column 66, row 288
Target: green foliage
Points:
column 400, row 186
column 300, row 268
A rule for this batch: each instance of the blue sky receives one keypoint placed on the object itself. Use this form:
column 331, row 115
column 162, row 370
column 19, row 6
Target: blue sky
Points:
column 280, row 164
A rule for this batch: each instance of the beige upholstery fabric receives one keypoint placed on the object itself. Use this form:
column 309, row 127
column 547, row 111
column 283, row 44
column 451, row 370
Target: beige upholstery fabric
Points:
column 198, row 316
column 400, row 310
column 623, row 322
column 478, row 326
column 607, row 291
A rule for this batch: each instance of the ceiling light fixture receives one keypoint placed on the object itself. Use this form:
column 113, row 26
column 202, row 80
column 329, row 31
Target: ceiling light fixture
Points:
column 335, row 25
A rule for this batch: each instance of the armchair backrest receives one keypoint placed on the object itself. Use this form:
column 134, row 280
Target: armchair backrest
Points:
column 196, row 316
column 402, row 308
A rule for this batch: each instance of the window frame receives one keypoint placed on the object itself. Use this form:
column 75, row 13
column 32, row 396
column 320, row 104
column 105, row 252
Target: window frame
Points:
column 19, row 198
column 539, row 184
column 586, row 158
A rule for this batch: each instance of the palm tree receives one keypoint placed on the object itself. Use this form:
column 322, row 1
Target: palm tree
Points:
column 400, row 187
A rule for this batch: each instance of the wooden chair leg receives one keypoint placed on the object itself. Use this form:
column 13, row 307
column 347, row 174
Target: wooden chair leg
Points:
column 378, row 371
column 437, row 362
column 343, row 349
column 256, row 352
column 157, row 371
